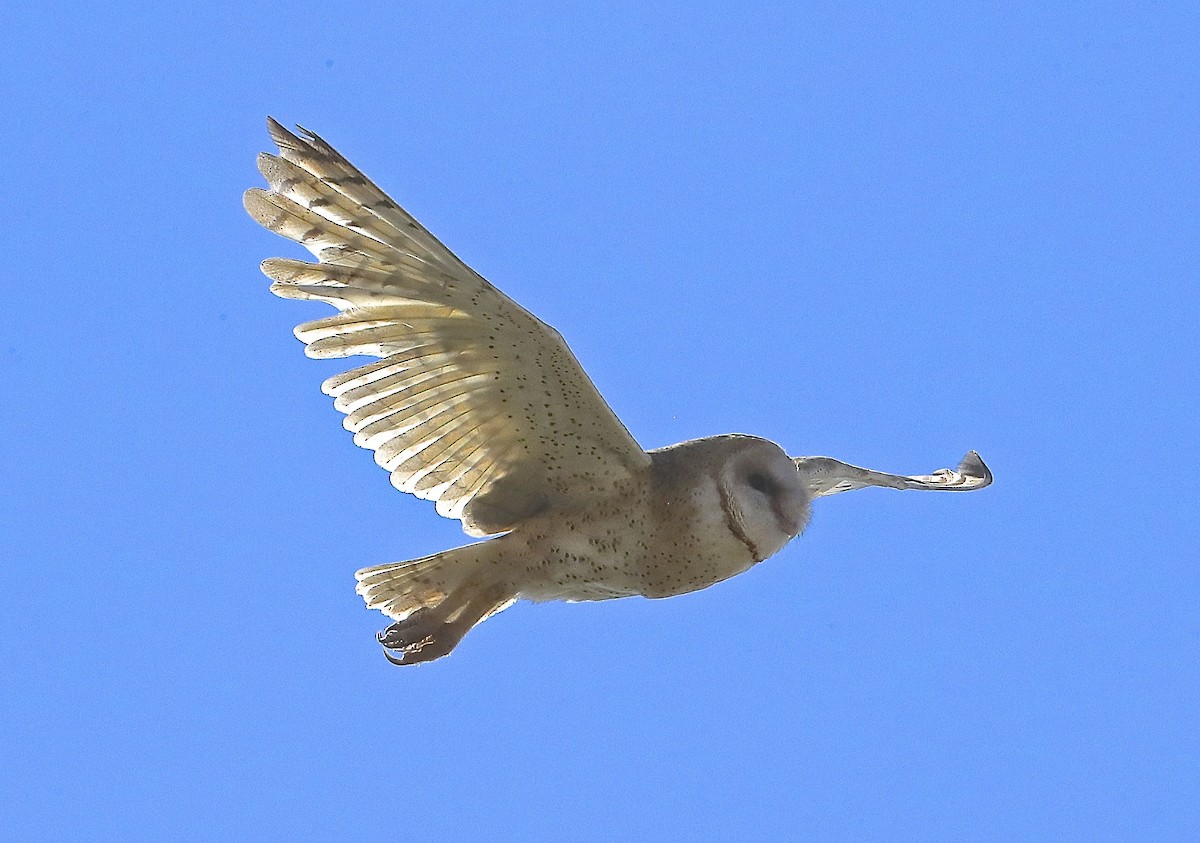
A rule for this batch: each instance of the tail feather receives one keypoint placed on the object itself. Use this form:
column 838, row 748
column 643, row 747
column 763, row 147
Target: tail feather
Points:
column 400, row 588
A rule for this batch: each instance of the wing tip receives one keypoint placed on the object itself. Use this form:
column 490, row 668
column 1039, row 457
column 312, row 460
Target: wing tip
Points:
column 299, row 140
column 972, row 467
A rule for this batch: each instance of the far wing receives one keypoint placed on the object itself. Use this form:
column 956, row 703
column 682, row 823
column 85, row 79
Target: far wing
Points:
column 827, row 476
column 476, row 404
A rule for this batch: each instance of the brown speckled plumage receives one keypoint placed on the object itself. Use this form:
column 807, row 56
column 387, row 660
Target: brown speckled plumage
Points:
column 480, row 407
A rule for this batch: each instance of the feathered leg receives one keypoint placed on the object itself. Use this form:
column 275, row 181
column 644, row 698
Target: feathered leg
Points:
column 431, row 633
column 436, row 600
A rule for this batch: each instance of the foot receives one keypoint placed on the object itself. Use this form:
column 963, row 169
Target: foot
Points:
column 421, row 637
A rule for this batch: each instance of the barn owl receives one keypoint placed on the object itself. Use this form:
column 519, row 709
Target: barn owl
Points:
column 480, row 407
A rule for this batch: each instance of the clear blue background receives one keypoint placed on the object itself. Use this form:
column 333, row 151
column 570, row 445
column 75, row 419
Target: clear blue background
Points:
column 885, row 234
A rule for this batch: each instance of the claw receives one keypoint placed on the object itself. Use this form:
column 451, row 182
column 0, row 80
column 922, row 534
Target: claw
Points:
column 404, row 649
column 431, row 632
column 403, row 641
column 412, row 633
column 427, row 649
column 387, row 654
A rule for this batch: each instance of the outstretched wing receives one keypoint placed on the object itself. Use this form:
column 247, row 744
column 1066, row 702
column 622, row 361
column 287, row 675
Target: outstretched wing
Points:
column 476, row 404
column 827, row 476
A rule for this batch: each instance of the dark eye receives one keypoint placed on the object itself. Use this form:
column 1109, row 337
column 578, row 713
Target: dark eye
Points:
column 761, row 483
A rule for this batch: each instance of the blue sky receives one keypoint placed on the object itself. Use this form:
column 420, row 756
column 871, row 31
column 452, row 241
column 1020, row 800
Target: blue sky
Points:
column 888, row 235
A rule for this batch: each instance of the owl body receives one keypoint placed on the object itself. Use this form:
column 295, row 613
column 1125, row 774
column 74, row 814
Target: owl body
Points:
column 678, row 526
column 482, row 408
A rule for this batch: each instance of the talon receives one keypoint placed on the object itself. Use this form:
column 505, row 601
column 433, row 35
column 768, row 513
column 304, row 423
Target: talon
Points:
column 387, row 654
column 431, row 632
column 404, row 640
column 412, row 653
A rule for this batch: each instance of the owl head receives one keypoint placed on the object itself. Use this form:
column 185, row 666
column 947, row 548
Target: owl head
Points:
column 764, row 493
column 747, row 485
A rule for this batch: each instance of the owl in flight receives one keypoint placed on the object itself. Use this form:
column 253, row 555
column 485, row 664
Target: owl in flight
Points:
column 481, row 407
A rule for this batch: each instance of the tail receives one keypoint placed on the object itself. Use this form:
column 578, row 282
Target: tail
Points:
column 434, row 600
column 400, row 588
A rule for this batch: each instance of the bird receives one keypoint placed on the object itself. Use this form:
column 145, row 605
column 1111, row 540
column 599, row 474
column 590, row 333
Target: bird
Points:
column 480, row 407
